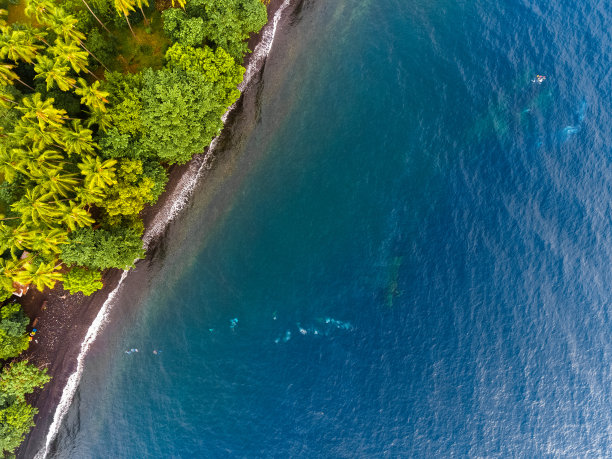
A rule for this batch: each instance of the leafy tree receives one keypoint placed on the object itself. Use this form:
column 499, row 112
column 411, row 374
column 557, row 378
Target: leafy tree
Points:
column 180, row 27
column 229, row 23
column 19, row 379
column 16, row 420
column 217, row 67
column 82, row 280
column 181, row 113
column 13, row 336
column 16, row 416
column 132, row 192
column 118, row 247
column 125, row 104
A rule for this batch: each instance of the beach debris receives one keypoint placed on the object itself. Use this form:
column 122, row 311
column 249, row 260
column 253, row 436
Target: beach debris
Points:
column 157, row 351
column 539, row 79
column 233, row 323
column 131, row 351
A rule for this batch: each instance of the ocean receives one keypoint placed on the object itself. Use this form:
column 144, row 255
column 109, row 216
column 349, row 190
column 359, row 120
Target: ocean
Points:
column 403, row 250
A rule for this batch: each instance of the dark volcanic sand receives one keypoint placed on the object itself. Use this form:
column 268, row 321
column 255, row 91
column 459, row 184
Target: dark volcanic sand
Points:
column 64, row 322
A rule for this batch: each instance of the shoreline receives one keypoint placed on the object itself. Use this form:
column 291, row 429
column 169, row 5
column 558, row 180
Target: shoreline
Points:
column 70, row 323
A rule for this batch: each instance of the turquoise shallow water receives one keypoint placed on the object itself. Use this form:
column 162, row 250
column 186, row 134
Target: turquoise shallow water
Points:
column 414, row 238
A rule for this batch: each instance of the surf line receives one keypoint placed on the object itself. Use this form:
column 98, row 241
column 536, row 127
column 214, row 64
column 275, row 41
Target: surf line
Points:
column 191, row 177
column 172, row 208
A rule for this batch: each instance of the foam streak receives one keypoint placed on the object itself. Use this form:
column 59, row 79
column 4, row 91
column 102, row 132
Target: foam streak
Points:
column 173, row 206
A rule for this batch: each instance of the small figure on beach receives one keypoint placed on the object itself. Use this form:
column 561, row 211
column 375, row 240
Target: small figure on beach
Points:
column 157, row 352
column 233, row 323
column 539, row 79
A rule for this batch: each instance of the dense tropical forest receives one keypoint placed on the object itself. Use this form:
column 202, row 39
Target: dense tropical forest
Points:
column 98, row 99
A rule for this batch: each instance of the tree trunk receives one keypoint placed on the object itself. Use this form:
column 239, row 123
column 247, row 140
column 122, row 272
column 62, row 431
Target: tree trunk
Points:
column 97, row 19
column 129, row 25
column 93, row 55
column 25, row 84
column 146, row 21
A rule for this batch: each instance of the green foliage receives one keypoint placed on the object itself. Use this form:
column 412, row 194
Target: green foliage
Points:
column 158, row 175
column 16, row 420
column 83, row 280
column 126, row 108
column 118, row 247
column 217, row 68
column 132, row 192
column 229, row 23
column 13, row 336
column 102, row 46
column 179, row 27
column 19, row 379
column 16, row 416
column 181, row 113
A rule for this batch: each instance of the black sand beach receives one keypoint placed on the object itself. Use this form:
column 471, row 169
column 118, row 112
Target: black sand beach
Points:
column 63, row 320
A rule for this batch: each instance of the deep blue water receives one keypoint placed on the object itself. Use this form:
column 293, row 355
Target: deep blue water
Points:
column 407, row 178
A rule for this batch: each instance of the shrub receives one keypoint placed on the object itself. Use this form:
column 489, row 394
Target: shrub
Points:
column 82, row 280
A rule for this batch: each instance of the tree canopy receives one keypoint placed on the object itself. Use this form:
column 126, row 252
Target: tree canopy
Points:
column 89, row 132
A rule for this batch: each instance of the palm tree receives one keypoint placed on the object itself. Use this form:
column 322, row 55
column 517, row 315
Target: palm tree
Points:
column 43, row 275
column 125, row 6
column 99, row 117
column 48, row 241
column 37, row 206
column 44, row 162
column 90, row 196
column 60, row 184
column 8, row 270
column 76, row 140
column 180, row 2
column 11, row 162
column 7, row 75
column 41, row 111
column 75, row 216
column 92, row 95
column 25, row 131
column 98, row 174
column 18, row 45
column 13, row 239
column 41, row 9
column 72, row 54
column 53, row 71
column 65, row 25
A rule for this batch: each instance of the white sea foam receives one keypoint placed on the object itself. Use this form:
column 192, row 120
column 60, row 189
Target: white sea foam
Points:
column 190, row 178
column 172, row 207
